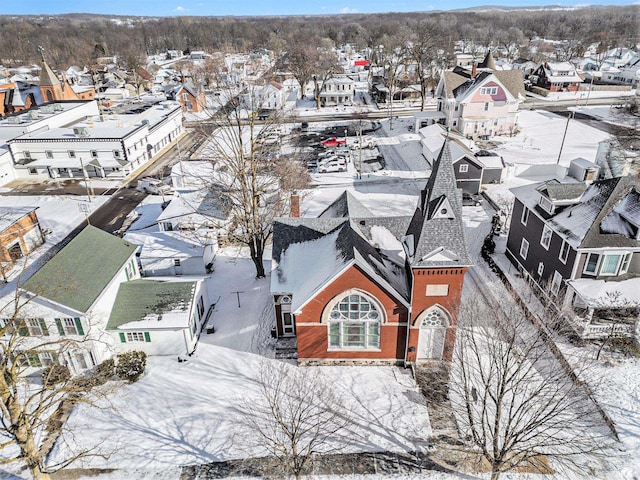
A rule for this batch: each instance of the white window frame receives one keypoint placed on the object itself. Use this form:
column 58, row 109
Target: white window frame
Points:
column 586, row 264
column 524, row 250
column 341, row 322
column 545, row 238
column 486, row 107
column 34, row 327
column 135, row 337
column 524, row 218
column 545, row 204
column 71, row 153
column 626, row 261
column 69, row 326
column 565, row 248
column 555, row 283
column 464, row 168
column 540, row 268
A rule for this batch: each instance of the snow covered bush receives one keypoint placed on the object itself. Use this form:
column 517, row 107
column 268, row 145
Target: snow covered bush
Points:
column 131, row 365
column 55, row 373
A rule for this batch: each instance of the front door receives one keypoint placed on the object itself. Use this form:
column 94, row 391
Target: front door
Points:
column 432, row 335
column 288, row 326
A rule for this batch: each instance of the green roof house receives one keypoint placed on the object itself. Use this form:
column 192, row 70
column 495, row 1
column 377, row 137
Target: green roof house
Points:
column 73, row 293
column 158, row 316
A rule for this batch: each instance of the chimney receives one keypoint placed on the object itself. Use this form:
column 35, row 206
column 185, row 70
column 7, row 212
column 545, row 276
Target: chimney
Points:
column 474, row 70
column 295, row 205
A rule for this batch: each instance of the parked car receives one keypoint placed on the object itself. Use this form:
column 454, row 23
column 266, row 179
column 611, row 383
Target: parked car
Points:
column 364, row 142
column 471, row 199
column 334, row 165
column 334, row 142
column 153, row 186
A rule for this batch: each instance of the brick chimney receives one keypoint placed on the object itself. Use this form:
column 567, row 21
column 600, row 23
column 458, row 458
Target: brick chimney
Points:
column 474, row 70
column 295, row 205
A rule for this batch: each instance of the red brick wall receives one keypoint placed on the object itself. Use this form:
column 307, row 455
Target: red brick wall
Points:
column 312, row 335
column 454, row 278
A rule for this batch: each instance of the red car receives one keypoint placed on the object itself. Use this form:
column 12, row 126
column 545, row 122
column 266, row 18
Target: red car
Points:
column 333, row 142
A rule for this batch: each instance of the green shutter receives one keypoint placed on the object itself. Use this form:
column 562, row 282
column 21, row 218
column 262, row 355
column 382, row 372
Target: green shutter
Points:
column 126, row 272
column 59, row 325
column 23, row 331
column 34, row 359
column 147, row 337
column 79, row 326
column 43, row 325
column 123, row 338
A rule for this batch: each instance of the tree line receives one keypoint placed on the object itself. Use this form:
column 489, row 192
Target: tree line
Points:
column 80, row 38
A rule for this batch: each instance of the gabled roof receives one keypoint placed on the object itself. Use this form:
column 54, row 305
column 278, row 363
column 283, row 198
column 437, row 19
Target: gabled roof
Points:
column 459, row 81
column 346, row 205
column 79, row 273
column 152, row 304
column 488, row 61
column 10, row 215
column 606, row 216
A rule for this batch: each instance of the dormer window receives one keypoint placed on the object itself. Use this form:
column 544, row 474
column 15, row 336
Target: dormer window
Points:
column 546, row 204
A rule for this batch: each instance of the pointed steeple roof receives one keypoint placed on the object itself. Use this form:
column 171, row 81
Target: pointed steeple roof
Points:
column 47, row 77
column 437, row 221
column 488, row 61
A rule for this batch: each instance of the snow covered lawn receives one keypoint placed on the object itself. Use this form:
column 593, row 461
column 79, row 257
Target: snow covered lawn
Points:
column 189, row 412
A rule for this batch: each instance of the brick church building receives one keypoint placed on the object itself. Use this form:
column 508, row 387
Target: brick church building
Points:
column 353, row 287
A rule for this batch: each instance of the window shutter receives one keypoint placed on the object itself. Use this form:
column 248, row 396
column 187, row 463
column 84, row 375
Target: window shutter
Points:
column 59, row 325
column 43, row 325
column 79, row 326
column 147, row 337
column 34, row 359
column 23, row 331
column 123, row 338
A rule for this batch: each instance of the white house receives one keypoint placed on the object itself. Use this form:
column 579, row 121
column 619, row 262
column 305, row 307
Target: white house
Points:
column 158, row 316
column 71, row 297
column 175, row 253
column 337, row 90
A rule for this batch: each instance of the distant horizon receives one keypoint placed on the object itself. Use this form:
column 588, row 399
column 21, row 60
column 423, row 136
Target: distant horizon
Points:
column 173, row 8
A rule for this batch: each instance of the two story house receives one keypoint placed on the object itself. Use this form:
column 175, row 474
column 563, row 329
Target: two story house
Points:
column 351, row 286
column 557, row 77
column 581, row 244
column 337, row 90
column 481, row 101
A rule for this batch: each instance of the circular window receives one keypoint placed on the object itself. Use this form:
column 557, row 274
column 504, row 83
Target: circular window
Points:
column 443, row 211
column 434, row 319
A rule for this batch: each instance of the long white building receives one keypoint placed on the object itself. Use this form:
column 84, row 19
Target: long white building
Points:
column 61, row 140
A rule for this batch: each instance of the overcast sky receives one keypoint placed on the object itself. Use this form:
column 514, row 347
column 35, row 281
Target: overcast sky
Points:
column 263, row 7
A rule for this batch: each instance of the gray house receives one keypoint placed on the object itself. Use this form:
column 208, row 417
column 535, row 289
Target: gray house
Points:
column 581, row 244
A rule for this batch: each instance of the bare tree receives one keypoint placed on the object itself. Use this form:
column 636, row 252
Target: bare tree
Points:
column 295, row 416
column 325, row 67
column 298, row 60
column 251, row 176
column 515, row 403
column 31, row 407
column 423, row 51
column 393, row 57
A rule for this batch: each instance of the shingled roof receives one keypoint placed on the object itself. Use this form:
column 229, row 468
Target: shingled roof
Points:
column 79, row 273
column 309, row 252
column 47, row 77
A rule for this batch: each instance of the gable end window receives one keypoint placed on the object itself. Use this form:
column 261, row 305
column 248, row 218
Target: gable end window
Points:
column 354, row 324
column 464, row 168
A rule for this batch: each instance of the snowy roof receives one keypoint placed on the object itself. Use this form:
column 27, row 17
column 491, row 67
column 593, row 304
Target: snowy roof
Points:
column 197, row 207
column 148, row 304
column 606, row 215
column 600, row 293
column 10, row 215
column 172, row 244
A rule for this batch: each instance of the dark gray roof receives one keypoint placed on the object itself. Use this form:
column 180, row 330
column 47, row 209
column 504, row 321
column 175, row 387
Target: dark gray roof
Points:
column 346, row 205
column 429, row 229
column 607, row 216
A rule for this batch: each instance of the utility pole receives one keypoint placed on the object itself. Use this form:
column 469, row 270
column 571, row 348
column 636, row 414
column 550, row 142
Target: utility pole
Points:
column 565, row 135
